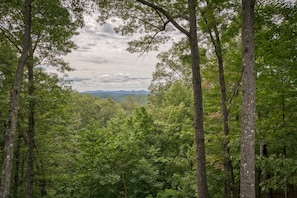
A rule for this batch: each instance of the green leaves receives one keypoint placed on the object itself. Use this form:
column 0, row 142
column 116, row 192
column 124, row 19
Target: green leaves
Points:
column 93, row 147
column 113, row 158
column 279, row 171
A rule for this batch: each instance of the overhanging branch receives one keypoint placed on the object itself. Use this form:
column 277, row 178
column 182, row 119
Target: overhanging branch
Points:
column 167, row 15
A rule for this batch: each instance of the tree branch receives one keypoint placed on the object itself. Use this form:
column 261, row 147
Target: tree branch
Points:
column 5, row 31
column 150, row 42
column 158, row 30
column 167, row 15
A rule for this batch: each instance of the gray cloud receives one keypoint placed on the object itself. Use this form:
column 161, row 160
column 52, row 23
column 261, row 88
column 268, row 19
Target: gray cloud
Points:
column 111, row 82
column 108, row 28
column 91, row 44
column 102, row 62
column 77, row 79
column 97, row 61
column 120, row 78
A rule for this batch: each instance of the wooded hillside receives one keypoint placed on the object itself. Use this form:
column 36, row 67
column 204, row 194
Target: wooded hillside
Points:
column 219, row 119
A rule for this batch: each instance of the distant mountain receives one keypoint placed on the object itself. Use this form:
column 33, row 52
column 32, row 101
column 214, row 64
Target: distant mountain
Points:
column 116, row 95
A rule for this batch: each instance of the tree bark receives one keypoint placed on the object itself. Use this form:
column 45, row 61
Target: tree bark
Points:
column 248, row 119
column 30, row 165
column 198, row 104
column 228, row 169
column 17, row 165
column 13, row 107
column 2, row 130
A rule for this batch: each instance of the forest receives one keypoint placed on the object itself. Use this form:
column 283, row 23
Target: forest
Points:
column 219, row 119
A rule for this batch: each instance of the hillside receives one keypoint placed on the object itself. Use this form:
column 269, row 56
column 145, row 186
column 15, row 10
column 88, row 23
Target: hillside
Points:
column 116, row 95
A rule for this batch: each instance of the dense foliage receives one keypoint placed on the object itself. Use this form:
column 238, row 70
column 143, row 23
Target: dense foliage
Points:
column 87, row 146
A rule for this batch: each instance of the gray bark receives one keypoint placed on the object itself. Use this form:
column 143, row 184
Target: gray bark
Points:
column 13, row 107
column 247, row 164
column 17, row 165
column 30, row 160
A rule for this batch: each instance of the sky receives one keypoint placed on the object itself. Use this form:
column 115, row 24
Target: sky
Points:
column 101, row 61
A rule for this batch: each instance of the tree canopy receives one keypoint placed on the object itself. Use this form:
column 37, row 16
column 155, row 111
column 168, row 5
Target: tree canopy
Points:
column 196, row 115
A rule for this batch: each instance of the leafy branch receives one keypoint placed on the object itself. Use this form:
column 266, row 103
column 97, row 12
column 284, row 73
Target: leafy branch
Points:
column 167, row 15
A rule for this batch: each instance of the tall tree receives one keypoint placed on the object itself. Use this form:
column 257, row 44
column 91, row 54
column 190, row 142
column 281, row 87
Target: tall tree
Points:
column 210, row 16
column 198, row 104
column 14, row 104
column 48, row 38
column 247, row 163
column 31, row 127
column 8, row 63
column 162, row 13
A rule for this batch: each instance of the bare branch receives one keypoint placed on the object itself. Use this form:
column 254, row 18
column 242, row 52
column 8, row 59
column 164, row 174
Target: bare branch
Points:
column 11, row 38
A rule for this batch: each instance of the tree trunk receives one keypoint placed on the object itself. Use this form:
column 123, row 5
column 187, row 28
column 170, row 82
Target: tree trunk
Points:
column 42, row 177
column 17, row 165
column 266, row 177
column 13, row 107
column 2, row 131
column 198, row 105
column 228, row 169
column 247, row 164
column 197, row 90
column 30, row 167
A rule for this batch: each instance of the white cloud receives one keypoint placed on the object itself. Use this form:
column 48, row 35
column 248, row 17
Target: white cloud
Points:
column 102, row 63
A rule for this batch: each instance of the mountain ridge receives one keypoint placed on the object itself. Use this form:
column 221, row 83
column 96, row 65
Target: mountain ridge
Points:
column 116, row 95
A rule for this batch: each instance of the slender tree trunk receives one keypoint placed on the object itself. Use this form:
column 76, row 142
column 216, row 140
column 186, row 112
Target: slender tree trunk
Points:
column 197, row 90
column 266, row 177
column 17, row 165
column 229, row 176
column 13, row 107
column 42, row 180
column 30, row 165
column 228, row 169
column 42, row 184
column 198, row 105
column 247, row 164
column 123, row 181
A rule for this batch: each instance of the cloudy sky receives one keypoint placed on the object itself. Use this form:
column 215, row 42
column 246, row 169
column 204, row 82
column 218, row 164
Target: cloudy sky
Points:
column 102, row 63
